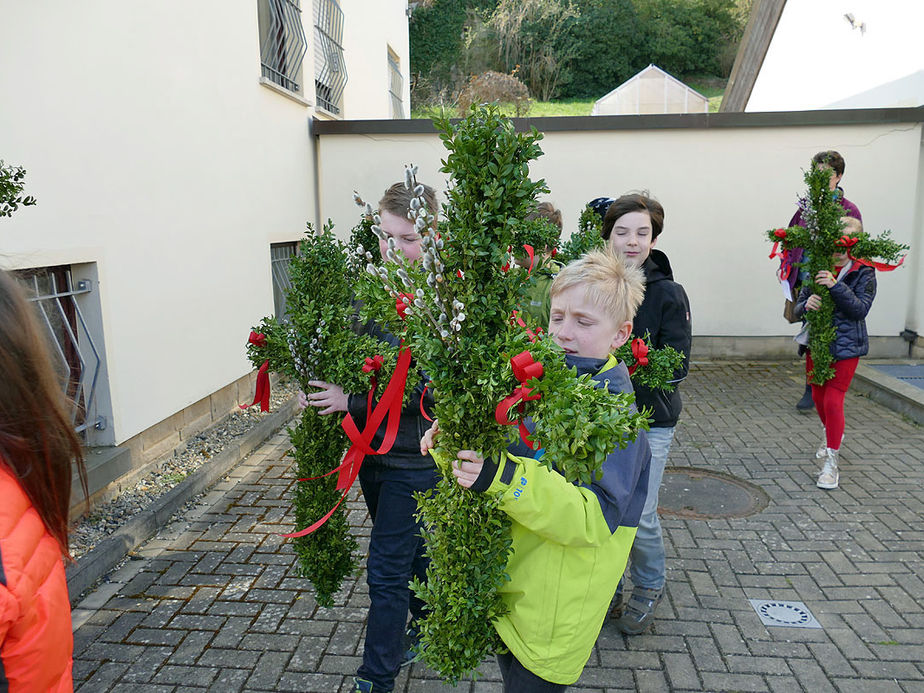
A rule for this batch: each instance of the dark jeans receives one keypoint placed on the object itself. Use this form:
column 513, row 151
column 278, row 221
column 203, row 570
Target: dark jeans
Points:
column 519, row 679
column 395, row 555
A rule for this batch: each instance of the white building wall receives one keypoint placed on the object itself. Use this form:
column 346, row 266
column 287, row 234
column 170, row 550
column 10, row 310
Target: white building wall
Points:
column 154, row 151
column 384, row 25
column 722, row 188
column 816, row 58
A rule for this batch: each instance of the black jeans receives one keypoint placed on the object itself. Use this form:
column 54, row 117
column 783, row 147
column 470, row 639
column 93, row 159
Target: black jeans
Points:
column 519, row 679
column 395, row 555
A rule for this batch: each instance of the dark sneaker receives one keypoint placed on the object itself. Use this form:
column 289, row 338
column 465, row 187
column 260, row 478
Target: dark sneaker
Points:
column 411, row 646
column 361, row 686
column 616, row 605
column 638, row 612
column 806, row 403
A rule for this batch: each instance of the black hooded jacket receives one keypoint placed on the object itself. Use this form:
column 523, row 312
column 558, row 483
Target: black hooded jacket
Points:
column 665, row 316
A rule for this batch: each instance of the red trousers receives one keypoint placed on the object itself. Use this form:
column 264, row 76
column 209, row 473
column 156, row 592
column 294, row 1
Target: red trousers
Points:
column 829, row 398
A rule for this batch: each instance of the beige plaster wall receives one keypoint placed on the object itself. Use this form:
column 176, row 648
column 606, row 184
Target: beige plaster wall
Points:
column 722, row 188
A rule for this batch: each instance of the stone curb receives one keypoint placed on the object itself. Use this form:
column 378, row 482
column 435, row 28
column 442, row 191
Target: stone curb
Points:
column 103, row 557
column 890, row 392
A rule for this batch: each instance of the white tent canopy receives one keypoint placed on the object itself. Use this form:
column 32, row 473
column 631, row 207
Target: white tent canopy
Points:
column 651, row 91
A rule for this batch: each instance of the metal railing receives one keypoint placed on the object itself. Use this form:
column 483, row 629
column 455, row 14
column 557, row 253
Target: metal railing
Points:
column 395, row 86
column 280, row 256
column 330, row 73
column 282, row 42
column 72, row 344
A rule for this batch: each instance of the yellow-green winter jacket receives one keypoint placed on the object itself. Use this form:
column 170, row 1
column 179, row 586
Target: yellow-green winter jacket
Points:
column 570, row 544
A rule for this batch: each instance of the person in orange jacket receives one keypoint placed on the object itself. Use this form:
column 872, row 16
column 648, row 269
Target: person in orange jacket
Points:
column 38, row 451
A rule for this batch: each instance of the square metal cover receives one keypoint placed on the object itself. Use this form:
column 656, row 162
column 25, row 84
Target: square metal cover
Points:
column 788, row 614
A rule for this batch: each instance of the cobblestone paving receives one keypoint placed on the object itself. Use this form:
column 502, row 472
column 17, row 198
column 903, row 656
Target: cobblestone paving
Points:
column 213, row 603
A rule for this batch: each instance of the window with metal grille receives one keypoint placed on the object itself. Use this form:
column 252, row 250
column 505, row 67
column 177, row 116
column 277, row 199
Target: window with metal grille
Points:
column 330, row 75
column 280, row 256
column 75, row 352
column 282, row 42
column 395, row 84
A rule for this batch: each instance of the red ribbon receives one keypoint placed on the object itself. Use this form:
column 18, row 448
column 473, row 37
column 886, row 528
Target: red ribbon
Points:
column 531, row 254
column 423, row 412
column 849, row 242
column 881, row 266
column 529, row 333
column 258, row 339
column 846, row 241
column 785, row 264
column 262, row 393
column 780, row 233
column 402, row 303
column 389, row 407
column 640, row 352
column 525, row 368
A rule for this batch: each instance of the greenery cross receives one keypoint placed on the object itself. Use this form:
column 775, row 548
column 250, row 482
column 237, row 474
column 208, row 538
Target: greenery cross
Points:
column 821, row 236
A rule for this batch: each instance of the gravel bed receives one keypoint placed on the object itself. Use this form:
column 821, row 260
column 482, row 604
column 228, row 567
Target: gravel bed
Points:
column 104, row 519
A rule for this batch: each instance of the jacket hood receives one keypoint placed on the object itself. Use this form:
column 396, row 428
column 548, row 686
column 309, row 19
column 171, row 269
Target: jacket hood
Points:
column 616, row 378
column 657, row 267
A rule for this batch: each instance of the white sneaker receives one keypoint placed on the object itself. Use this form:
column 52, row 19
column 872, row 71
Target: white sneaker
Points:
column 829, row 476
column 822, row 450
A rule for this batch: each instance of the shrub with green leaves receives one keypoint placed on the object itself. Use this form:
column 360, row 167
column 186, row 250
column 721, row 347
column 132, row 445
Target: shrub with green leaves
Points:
column 317, row 343
column 586, row 238
column 12, row 183
column 820, row 238
column 460, row 299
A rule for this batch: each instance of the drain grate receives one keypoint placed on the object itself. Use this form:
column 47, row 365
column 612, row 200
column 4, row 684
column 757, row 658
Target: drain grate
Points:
column 788, row 614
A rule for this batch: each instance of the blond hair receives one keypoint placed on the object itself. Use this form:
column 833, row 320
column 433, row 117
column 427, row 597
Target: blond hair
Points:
column 852, row 225
column 612, row 285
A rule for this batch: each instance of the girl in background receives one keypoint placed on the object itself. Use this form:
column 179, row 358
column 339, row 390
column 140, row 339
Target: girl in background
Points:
column 38, row 451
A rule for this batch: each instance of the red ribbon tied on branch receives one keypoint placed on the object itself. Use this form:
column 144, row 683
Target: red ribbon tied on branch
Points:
column 640, row 352
column 389, row 406
column 785, row 262
column 258, row 339
column 402, row 303
column 848, row 242
column 262, row 390
column 525, row 368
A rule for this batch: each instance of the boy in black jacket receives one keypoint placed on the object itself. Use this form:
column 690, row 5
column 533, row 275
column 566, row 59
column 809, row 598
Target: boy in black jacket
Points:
column 632, row 225
column 389, row 482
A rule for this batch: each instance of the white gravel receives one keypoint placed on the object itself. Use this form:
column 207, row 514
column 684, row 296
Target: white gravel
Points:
column 104, row 519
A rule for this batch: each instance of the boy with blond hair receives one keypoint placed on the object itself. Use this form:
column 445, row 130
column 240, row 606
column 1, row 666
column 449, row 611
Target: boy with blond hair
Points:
column 570, row 541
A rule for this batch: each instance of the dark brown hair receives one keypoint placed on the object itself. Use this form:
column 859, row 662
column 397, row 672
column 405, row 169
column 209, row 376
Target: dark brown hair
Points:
column 634, row 202
column 832, row 159
column 37, row 439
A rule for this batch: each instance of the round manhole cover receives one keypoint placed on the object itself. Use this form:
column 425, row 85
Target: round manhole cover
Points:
column 704, row 494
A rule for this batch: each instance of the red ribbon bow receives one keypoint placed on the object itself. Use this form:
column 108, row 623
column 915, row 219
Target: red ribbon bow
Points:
column 388, row 407
column 373, row 364
column 640, row 352
column 780, row 233
column 402, row 303
column 849, row 242
column 525, row 368
column 846, row 241
column 258, row 339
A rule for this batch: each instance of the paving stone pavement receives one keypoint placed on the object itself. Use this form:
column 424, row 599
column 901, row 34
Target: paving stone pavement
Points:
column 212, row 603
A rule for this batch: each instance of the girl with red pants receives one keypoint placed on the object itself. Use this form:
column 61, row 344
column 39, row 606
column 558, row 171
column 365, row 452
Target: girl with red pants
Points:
column 852, row 287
